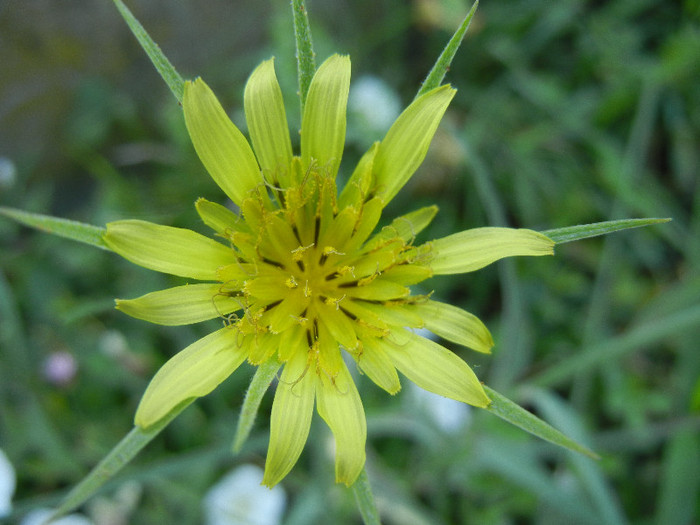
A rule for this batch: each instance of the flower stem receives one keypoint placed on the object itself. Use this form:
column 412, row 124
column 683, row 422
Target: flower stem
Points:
column 365, row 499
column 306, row 63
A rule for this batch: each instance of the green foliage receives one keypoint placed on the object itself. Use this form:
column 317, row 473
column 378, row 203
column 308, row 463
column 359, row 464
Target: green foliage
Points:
column 566, row 113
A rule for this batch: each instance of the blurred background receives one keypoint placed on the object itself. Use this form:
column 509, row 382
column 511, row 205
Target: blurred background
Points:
column 567, row 112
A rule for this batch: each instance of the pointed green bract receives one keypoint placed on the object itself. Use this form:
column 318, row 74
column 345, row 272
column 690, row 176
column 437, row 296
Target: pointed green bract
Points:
column 473, row 249
column 339, row 404
column 442, row 65
column 290, row 419
column 455, row 324
column 117, row 459
column 176, row 251
column 191, row 373
column 306, row 63
column 220, row 145
column 267, row 122
column 407, row 141
column 584, row 231
column 181, row 305
column 323, row 125
column 76, row 231
column 434, row 368
column 514, row 414
column 166, row 70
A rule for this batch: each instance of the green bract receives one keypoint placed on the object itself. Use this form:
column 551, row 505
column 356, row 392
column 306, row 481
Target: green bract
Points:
column 300, row 274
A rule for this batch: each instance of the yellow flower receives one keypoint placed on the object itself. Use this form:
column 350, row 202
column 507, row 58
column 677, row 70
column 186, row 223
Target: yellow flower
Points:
column 300, row 274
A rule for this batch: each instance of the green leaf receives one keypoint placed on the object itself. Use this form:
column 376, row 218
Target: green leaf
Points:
column 306, row 63
column 365, row 500
column 583, row 231
column 518, row 416
column 119, row 456
column 162, row 64
column 258, row 386
column 74, row 230
column 437, row 73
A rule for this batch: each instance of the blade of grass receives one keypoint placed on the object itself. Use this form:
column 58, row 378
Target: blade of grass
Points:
column 679, row 480
column 591, row 477
column 650, row 332
column 166, row 70
column 77, row 231
column 442, row 65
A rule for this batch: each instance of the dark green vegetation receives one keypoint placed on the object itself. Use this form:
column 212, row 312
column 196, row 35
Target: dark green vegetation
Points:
column 567, row 113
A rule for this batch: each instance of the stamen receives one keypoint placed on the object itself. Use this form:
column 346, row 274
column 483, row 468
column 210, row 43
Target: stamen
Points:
column 298, row 253
column 332, row 300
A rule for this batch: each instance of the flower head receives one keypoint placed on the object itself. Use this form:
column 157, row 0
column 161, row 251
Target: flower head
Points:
column 300, row 275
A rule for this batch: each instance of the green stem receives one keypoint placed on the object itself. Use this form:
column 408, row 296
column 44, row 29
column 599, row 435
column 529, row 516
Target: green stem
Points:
column 306, row 63
column 365, row 499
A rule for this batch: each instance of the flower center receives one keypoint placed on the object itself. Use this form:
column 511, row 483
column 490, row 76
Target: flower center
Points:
column 308, row 278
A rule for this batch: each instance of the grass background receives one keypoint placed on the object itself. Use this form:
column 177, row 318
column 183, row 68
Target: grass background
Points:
column 567, row 112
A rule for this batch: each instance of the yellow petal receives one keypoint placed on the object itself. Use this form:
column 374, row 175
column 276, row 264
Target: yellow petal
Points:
column 357, row 189
column 290, row 419
column 193, row 372
column 176, row 251
column 473, row 249
column 436, row 369
column 187, row 304
column 375, row 362
column 323, row 124
column 219, row 218
column 339, row 404
column 407, row 141
column 455, row 324
column 267, row 121
column 220, row 145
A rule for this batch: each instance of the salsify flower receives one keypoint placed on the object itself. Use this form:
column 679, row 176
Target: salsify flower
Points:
column 299, row 275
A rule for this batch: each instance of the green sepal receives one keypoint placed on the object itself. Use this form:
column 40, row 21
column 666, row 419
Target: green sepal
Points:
column 514, row 414
column 166, row 70
column 77, row 231
column 584, row 231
